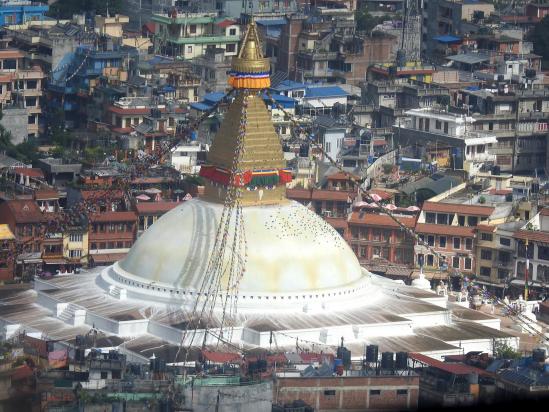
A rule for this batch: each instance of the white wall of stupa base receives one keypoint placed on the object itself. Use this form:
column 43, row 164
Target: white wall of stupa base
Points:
column 63, row 307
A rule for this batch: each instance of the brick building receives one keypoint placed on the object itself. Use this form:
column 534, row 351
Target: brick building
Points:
column 111, row 235
column 373, row 234
column 25, row 220
column 350, row 392
column 449, row 228
column 7, row 250
column 150, row 212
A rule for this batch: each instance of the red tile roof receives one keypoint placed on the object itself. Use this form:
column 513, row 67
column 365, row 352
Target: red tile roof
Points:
column 532, row 235
column 107, row 257
column 458, row 208
column 500, row 192
column 114, row 217
column 101, row 194
column 342, row 176
column 336, row 222
column 486, row 228
column 301, row 194
column 25, row 211
column 381, row 193
column 445, row 230
column 453, row 368
column 226, row 23
column 221, row 357
column 46, row 194
column 337, row 195
column 144, row 208
column 374, row 219
column 30, row 172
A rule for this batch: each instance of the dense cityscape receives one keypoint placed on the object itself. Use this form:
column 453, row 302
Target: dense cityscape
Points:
column 273, row 205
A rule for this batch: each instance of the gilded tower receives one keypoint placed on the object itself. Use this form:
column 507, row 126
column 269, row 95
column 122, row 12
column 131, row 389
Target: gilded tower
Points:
column 246, row 153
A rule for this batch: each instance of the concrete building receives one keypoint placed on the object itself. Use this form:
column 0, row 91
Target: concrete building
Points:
column 21, row 11
column 189, row 35
column 112, row 26
column 20, row 95
column 518, row 118
column 449, row 135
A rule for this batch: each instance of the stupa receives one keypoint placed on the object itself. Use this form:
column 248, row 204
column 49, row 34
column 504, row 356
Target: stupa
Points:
column 290, row 278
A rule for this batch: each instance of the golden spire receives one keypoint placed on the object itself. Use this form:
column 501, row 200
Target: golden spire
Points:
column 246, row 151
column 249, row 69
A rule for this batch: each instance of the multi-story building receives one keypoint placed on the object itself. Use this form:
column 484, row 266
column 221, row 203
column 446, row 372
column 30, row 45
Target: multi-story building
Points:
column 7, row 253
column 375, row 235
column 446, row 17
column 20, row 90
column 147, row 119
column 435, row 131
column 189, row 35
column 531, row 242
column 150, row 212
column 449, row 229
column 25, row 220
column 520, row 121
column 21, row 11
column 110, row 236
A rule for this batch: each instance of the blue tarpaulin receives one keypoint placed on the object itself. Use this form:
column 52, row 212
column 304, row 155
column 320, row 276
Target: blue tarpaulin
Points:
column 447, row 39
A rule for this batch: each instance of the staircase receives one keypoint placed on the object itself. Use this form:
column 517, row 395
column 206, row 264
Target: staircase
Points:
column 117, row 293
column 67, row 315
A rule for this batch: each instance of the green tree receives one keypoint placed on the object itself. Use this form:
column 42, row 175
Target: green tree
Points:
column 65, row 9
column 540, row 37
column 503, row 351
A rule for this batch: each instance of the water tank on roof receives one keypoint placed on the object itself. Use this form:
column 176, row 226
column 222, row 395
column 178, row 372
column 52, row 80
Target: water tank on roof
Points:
column 538, row 355
column 401, row 360
column 372, row 353
column 387, row 360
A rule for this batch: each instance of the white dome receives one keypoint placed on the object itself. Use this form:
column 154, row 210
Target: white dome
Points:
column 289, row 250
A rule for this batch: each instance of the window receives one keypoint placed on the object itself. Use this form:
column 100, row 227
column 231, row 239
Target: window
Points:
column 189, row 49
column 442, row 241
column 75, row 237
column 76, row 253
column 375, row 392
column 104, row 375
column 32, row 84
column 485, row 271
column 472, row 220
column 457, row 243
column 468, row 244
column 9, row 64
column 446, row 127
column 230, row 48
column 502, row 273
column 402, row 391
column 329, row 392
column 442, row 218
column 192, row 28
column 430, row 260
column 504, row 241
column 543, row 252
column 431, row 240
column 328, row 146
column 486, row 254
column 455, row 262
column 461, row 220
column 430, row 217
column 232, row 32
column 438, row 125
column 486, row 236
column 376, row 234
column 467, row 263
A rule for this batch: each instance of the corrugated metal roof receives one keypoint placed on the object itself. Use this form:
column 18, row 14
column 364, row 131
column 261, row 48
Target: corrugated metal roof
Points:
column 453, row 368
column 324, row 91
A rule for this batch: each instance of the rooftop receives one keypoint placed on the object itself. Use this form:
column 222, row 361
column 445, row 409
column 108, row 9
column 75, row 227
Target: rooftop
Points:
column 25, row 211
column 461, row 209
column 5, row 233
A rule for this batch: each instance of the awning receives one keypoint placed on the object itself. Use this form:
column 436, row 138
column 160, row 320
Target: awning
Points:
column 447, row 39
column 30, row 258
column 55, row 261
column 108, row 257
column 469, row 58
column 483, row 282
column 481, row 140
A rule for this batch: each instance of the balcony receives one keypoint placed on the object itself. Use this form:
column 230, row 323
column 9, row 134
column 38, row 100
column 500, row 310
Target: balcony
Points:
column 206, row 39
